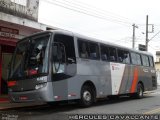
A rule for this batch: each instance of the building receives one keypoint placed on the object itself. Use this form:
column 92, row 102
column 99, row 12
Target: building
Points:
column 18, row 18
column 157, row 63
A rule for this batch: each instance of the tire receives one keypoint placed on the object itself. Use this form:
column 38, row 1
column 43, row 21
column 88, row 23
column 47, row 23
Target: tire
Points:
column 87, row 96
column 139, row 93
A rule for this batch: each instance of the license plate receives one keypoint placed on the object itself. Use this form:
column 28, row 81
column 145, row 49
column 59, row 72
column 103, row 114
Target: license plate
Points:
column 23, row 98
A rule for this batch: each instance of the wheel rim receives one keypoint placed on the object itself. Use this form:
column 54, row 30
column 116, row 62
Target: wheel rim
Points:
column 140, row 92
column 87, row 96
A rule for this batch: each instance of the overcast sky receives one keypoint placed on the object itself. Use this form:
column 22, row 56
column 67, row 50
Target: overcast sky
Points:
column 109, row 20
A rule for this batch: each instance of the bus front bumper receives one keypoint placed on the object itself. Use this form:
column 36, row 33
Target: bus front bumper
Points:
column 44, row 94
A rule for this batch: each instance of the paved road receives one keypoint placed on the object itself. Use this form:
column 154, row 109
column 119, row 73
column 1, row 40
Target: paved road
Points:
column 150, row 104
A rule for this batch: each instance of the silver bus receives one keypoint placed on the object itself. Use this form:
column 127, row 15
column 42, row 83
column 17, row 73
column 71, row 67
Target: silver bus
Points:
column 58, row 65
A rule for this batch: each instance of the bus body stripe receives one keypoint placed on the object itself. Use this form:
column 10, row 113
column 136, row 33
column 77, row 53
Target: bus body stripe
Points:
column 134, row 82
column 117, row 74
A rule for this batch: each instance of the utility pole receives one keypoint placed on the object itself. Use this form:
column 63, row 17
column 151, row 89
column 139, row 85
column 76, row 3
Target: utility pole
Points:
column 133, row 39
column 147, row 33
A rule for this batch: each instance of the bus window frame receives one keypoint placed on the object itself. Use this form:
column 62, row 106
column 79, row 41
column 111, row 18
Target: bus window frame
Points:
column 58, row 76
column 151, row 61
column 108, row 47
column 145, row 61
column 88, row 42
column 103, row 45
column 124, row 50
column 132, row 60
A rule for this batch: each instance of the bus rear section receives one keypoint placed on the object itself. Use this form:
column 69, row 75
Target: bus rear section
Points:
column 132, row 73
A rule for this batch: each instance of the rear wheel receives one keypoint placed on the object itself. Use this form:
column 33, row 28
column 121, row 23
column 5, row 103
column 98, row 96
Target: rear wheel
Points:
column 139, row 93
column 87, row 96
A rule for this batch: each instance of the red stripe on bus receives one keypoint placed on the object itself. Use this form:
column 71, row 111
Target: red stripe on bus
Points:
column 134, row 82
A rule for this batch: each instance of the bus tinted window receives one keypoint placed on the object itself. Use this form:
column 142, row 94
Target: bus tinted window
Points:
column 151, row 61
column 145, row 60
column 136, row 59
column 69, row 45
column 93, row 51
column 123, row 56
column 112, row 54
column 88, row 50
column 83, row 49
column 104, row 53
column 63, row 52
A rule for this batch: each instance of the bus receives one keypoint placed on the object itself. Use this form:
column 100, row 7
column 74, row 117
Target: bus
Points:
column 59, row 65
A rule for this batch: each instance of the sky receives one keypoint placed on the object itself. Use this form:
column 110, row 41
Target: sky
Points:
column 107, row 20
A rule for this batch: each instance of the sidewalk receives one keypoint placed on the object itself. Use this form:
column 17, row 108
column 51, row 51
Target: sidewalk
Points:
column 6, row 104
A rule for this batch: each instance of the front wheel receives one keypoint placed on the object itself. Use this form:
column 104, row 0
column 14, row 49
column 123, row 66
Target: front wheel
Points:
column 87, row 96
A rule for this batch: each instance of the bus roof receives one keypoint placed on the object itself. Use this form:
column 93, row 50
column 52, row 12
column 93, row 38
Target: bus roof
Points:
column 92, row 39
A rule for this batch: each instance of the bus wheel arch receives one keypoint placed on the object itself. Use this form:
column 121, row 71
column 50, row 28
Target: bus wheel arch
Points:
column 87, row 94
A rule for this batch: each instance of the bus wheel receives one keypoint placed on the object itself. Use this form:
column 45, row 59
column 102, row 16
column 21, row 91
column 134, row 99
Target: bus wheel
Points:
column 139, row 93
column 87, row 96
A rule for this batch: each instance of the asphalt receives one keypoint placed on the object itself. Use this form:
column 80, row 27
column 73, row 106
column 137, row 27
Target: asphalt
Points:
column 5, row 103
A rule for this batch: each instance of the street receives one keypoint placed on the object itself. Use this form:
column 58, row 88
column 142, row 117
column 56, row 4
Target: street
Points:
column 124, row 105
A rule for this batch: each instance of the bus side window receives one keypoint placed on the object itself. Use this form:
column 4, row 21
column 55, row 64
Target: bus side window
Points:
column 83, row 49
column 93, row 51
column 123, row 57
column 63, row 57
column 104, row 53
column 112, row 54
column 133, row 58
column 138, row 58
column 145, row 60
column 151, row 61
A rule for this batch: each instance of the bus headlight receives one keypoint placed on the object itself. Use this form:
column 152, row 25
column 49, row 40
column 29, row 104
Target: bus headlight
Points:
column 41, row 85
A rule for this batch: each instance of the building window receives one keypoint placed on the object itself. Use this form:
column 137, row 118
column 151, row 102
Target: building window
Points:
column 20, row 2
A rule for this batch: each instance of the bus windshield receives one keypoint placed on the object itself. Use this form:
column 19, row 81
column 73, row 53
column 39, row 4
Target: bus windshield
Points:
column 30, row 58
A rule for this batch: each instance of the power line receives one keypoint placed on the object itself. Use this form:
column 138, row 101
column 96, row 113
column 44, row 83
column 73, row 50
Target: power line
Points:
column 71, row 27
column 98, row 10
column 84, row 12
column 154, row 36
column 152, row 47
column 116, row 41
